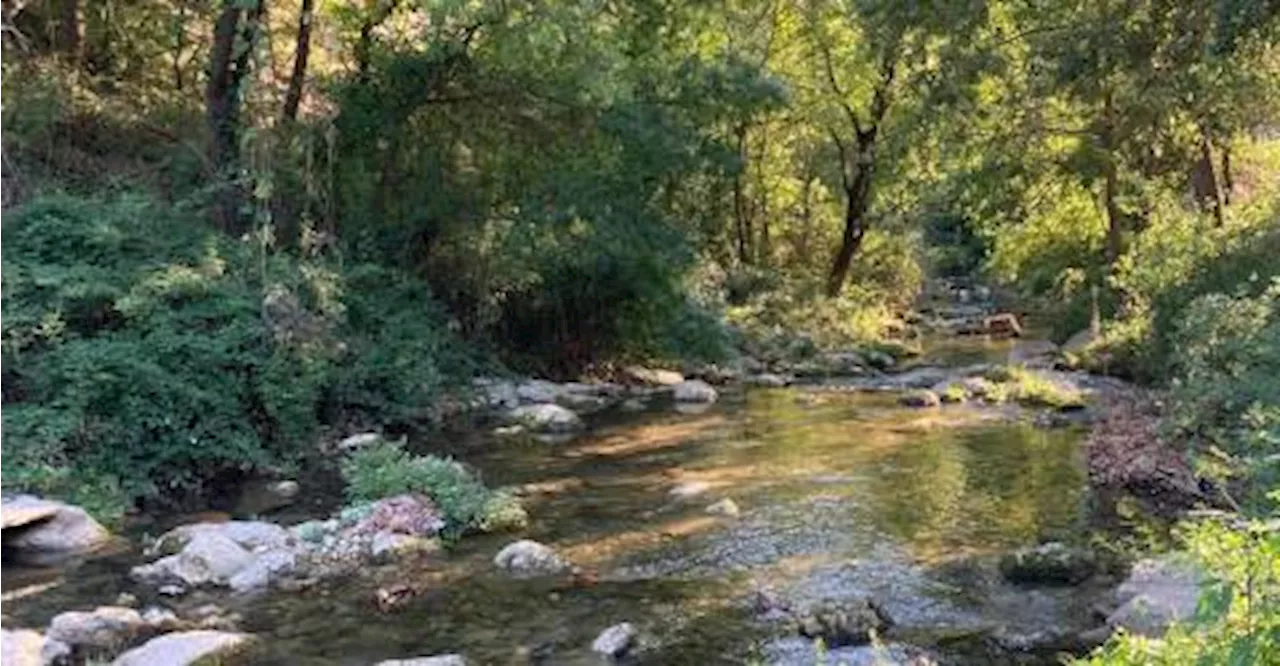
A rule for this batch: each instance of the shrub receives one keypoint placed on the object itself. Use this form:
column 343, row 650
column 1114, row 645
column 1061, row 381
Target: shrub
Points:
column 385, row 469
column 146, row 351
column 1238, row 619
column 1226, row 394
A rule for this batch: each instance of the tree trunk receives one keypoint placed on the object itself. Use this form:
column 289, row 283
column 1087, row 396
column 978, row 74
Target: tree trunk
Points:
column 293, row 96
column 857, row 201
column 69, row 30
column 364, row 45
column 1228, row 178
column 227, row 72
column 1204, row 181
column 741, row 223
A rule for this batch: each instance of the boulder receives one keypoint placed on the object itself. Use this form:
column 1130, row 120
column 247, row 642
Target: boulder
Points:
column 1003, row 325
column 844, row 622
column 184, row 648
column 1157, row 593
column 263, row 570
column 104, row 627
column 41, row 531
column 769, row 380
column 248, row 534
column 527, row 558
column 546, row 417
column 653, row 376
column 209, row 558
column 1048, row 564
column 615, row 642
column 265, row 495
column 920, row 398
column 438, row 660
column 23, row 647
column 695, row 390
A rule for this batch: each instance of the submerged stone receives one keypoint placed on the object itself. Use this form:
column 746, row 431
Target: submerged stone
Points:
column 695, row 390
column 844, row 622
column 1048, row 564
column 527, row 558
column 615, row 641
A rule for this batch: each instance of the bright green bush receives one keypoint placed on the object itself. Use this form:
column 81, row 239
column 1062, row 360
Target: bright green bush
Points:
column 143, row 350
column 1238, row 620
column 385, row 469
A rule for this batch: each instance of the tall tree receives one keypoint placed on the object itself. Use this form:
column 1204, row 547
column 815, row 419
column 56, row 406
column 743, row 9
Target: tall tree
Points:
column 234, row 33
column 297, row 79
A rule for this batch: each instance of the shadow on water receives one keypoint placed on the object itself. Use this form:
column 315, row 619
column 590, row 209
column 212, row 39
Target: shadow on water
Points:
column 839, row 494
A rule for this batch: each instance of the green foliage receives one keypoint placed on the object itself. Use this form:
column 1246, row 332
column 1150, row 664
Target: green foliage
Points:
column 140, row 349
column 1226, row 393
column 1027, row 387
column 1238, row 620
column 385, row 469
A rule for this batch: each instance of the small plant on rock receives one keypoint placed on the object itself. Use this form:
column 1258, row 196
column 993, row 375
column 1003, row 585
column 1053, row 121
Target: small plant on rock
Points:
column 385, row 469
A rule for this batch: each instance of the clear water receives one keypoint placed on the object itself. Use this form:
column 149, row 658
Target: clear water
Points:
column 839, row 493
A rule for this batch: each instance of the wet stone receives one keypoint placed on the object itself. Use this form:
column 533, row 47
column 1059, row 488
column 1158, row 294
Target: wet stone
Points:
column 844, row 622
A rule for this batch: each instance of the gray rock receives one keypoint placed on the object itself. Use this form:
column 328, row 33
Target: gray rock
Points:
column 104, row 627
column 1157, row 593
column 161, row 619
column 769, row 380
column 695, row 390
column 184, row 648
column 725, row 507
column 654, row 376
column 263, row 570
column 615, row 641
column 41, row 531
column 360, row 441
column 546, row 418
column 538, row 391
column 210, row 558
column 527, row 558
column 920, row 398
column 844, row 622
column 21, row 647
column 248, row 534
column 438, row 660
column 1048, row 564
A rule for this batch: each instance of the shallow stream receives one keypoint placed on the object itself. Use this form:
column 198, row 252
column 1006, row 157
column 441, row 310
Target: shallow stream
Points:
column 840, row 493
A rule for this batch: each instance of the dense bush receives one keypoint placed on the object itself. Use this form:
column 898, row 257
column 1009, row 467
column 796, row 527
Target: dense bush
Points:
column 1238, row 619
column 151, row 356
column 385, row 469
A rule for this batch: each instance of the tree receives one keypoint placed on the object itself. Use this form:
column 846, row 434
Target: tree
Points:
column 293, row 96
column 234, row 35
